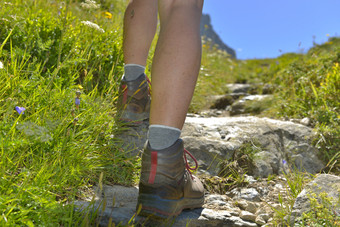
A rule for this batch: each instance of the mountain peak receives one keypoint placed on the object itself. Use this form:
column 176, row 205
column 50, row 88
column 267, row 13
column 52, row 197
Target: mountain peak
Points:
column 207, row 32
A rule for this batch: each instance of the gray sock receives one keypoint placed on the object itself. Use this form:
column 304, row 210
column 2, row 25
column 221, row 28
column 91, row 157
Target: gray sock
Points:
column 161, row 136
column 132, row 71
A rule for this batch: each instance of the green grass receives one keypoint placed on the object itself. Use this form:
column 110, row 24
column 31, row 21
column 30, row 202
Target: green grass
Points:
column 54, row 152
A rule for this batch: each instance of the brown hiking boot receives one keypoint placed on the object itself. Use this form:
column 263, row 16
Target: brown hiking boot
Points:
column 166, row 184
column 134, row 100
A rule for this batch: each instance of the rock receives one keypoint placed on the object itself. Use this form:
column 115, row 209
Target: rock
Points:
column 250, row 194
column 251, row 207
column 247, row 216
column 249, row 179
column 261, row 160
column 221, row 101
column 117, row 204
column 259, row 220
column 265, row 210
column 250, row 104
column 213, row 215
column 243, row 204
column 278, row 140
column 264, row 217
column 118, row 196
column 304, row 157
column 215, row 198
column 306, row 121
column 326, row 184
column 238, row 222
column 239, row 88
column 267, row 89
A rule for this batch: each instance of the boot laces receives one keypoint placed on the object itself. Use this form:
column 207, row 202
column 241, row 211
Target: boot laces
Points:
column 187, row 166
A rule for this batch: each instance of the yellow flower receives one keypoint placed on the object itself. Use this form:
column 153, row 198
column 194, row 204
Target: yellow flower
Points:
column 108, row 15
column 80, row 87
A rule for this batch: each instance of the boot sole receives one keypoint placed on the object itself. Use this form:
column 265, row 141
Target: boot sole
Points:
column 165, row 208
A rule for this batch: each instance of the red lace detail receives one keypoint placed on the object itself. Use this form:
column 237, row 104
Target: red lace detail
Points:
column 153, row 170
column 189, row 168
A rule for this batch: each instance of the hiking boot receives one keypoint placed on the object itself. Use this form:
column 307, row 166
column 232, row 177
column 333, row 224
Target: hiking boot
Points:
column 166, row 184
column 134, row 100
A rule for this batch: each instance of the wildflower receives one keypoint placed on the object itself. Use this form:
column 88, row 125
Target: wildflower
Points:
column 1, row 65
column 92, row 25
column 284, row 162
column 107, row 15
column 89, row 4
column 20, row 110
column 77, row 101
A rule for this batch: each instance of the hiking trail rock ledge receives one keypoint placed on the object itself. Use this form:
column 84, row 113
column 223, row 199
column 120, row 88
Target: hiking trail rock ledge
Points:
column 281, row 145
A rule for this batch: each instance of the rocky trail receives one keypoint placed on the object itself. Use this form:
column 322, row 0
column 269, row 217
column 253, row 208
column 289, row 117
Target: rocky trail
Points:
column 242, row 159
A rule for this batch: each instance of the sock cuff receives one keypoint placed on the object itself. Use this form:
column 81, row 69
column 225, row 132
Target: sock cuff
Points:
column 136, row 65
column 133, row 71
column 165, row 127
column 162, row 136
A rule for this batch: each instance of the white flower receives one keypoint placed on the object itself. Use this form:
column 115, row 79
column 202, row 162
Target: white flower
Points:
column 93, row 25
column 1, row 65
column 89, row 4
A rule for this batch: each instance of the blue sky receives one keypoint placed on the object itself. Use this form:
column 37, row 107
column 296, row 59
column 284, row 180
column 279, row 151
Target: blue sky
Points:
column 268, row 28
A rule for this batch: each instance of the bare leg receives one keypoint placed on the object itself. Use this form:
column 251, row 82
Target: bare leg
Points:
column 140, row 23
column 166, row 187
column 176, row 62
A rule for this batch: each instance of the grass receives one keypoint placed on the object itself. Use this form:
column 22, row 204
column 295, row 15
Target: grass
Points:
column 303, row 86
column 55, row 150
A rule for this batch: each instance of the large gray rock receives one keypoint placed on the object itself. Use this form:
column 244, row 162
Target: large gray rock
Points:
column 324, row 183
column 281, row 146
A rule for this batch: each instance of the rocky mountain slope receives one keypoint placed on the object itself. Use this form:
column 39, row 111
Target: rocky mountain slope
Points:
column 208, row 32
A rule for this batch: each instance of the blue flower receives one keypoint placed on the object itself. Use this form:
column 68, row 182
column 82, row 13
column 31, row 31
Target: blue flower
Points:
column 20, row 110
column 77, row 101
column 284, row 162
